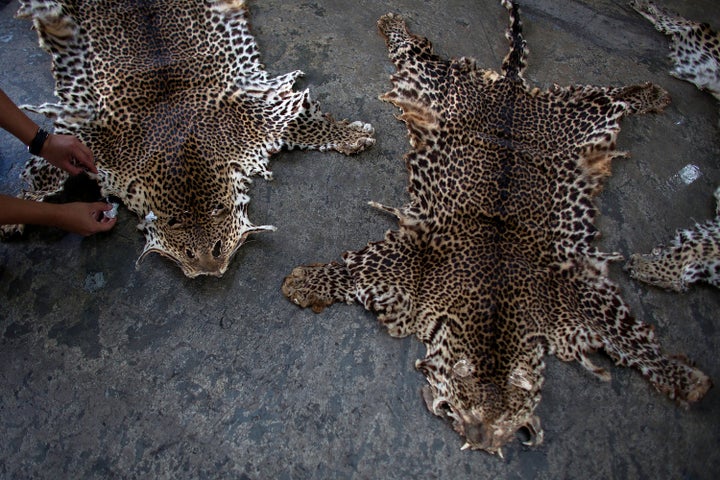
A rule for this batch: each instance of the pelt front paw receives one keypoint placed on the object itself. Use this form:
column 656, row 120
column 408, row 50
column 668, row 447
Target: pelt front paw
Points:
column 298, row 288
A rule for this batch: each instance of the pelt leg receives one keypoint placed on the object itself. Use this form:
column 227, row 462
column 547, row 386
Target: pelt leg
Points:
column 632, row 343
column 664, row 21
column 404, row 48
column 693, row 256
column 693, row 46
column 641, row 99
column 320, row 285
column 411, row 53
column 673, row 376
column 311, row 129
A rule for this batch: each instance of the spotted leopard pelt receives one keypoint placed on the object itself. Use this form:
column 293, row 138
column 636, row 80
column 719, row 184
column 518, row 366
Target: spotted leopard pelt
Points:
column 492, row 265
column 693, row 256
column 694, row 47
column 171, row 97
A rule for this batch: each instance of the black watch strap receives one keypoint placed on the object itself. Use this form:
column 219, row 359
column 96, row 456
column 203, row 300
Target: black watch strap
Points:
column 37, row 143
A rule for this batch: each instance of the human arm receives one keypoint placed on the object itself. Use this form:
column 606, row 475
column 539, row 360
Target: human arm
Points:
column 82, row 218
column 63, row 151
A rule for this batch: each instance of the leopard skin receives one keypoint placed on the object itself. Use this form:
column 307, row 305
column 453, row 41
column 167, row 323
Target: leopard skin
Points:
column 693, row 256
column 179, row 112
column 694, row 47
column 492, row 266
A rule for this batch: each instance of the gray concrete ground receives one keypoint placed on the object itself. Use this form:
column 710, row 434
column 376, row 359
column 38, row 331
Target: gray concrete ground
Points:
column 108, row 371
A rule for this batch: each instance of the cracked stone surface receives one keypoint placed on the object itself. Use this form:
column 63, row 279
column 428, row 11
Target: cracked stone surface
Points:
column 111, row 372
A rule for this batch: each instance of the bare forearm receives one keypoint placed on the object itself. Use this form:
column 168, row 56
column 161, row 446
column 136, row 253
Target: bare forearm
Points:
column 15, row 121
column 15, row 210
column 63, row 151
column 77, row 217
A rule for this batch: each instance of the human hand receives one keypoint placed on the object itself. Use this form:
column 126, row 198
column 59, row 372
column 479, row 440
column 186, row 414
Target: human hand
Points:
column 84, row 218
column 68, row 153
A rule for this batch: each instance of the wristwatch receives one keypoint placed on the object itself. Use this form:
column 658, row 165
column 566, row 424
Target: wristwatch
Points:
column 37, row 143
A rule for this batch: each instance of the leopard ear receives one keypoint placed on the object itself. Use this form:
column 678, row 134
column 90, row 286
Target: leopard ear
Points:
column 228, row 6
column 521, row 378
column 463, row 368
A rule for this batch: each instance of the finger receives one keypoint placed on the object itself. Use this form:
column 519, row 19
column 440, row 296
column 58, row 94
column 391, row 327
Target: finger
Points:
column 101, row 215
column 72, row 169
column 84, row 157
column 106, row 224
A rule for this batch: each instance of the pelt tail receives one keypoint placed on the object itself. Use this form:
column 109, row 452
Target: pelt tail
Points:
column 516, row 60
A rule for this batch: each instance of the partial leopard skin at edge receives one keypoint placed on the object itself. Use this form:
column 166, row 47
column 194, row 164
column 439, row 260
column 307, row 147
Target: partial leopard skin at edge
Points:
column 693, row 256
column 694, row 46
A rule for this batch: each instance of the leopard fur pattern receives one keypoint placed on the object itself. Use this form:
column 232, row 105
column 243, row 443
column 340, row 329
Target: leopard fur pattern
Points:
column 180, row 114
column 693, row 256
column 694, row 46
column 492, row 266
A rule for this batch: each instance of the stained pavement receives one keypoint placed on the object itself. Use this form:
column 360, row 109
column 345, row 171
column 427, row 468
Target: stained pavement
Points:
column 108, row 371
